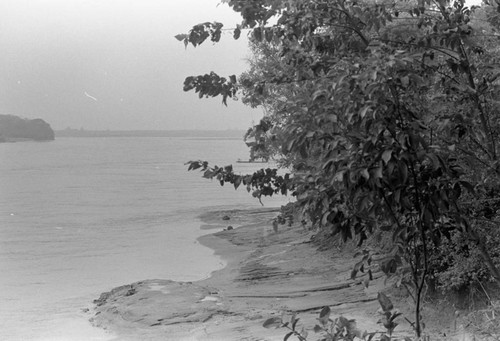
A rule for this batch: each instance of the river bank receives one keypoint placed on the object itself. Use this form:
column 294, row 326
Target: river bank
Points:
column 267, row 273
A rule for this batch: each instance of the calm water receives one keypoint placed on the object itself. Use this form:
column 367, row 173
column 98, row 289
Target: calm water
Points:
column 79, row 216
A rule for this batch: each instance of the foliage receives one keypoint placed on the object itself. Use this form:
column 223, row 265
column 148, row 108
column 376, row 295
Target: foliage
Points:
column 13, row 127
column 257, row 139
column 341, row 328
column 201, row 32
column 387, row 115
column 211, row 85
column 264, row 182
column 457, row 265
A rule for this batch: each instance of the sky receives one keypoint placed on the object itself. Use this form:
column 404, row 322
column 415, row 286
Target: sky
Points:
column 115, row 64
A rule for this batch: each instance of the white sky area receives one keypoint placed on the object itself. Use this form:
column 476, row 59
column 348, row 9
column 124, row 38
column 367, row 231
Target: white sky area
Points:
column 115, row 64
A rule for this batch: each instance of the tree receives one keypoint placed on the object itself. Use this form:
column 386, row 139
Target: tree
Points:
column 390, row 120
column 14, row 127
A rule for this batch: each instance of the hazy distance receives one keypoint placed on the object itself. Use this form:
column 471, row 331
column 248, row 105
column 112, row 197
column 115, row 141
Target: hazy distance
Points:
column 115, row 64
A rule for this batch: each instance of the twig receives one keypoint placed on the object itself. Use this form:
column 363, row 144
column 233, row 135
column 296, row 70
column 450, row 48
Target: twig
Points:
column 484, row 290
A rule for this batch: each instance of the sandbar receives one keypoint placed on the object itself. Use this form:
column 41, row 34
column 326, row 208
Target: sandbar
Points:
column 268, row 274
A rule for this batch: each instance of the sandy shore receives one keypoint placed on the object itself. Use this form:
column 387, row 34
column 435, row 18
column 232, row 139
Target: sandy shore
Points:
column 267, row 273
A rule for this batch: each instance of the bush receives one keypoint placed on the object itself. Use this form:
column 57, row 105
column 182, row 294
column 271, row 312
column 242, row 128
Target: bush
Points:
column 457, row 265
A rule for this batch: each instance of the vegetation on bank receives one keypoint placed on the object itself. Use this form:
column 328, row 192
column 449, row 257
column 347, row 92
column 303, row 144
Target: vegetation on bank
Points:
column 14, row 128
column 386, row 116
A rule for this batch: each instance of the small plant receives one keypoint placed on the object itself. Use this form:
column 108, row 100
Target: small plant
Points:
column 279, row 322
column 388, row 317
column 341, row 328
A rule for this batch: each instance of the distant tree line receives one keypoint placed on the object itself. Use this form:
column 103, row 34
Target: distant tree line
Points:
column 13, row 127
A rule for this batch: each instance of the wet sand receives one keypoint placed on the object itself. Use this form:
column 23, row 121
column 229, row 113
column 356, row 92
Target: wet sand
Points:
column 268, row 273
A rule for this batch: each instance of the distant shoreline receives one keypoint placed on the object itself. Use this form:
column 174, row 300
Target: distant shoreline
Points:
column 232, row 134
column 20, row 139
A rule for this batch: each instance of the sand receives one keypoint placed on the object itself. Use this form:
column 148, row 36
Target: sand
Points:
column 268, row 274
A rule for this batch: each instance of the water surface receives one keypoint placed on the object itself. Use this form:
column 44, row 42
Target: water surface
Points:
column 79, row 216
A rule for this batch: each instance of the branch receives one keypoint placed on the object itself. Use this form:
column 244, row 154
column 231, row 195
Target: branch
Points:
column 478, row 159
column 441, row 49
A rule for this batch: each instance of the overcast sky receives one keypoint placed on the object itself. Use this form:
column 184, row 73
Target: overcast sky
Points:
column 115, row 64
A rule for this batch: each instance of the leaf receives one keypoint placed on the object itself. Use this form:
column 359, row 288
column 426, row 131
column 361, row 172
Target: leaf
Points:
column 364, row 111
column 359, row 266
column 385, row 302
column 325, row 312
column 268, row 34
column 386, row 156
column 287, row 336
column 208, row 174
column 237, row 32
column 405, row 81
column 467, row 186
column 339, row 176
column 257, row 33
column 434, row 160
column 324, row 315
column 237, row 182
column 181, row 37
column 378, row 173
column 216, row 34
column 194, row 165
column 272, row 322
column 394, row 316
column 365, row 173
column 317, row 328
